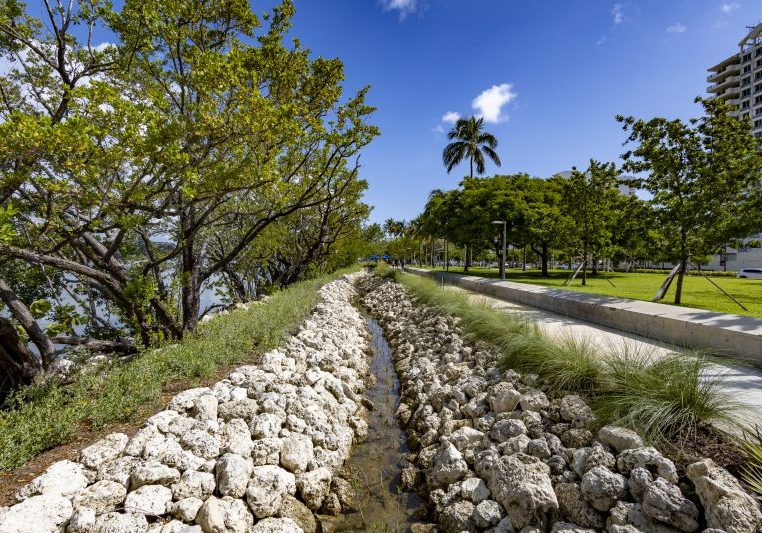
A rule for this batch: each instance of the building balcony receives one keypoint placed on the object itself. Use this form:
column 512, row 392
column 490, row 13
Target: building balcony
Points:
column 723, row 74
column 730, row 81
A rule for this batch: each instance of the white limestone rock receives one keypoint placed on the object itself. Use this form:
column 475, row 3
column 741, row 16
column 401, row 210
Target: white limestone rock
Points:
column 228, row 515
column 194, row 484
column 504, row 398
column 522, row 485
column 602, row 488
column 665, row 503
column 82, row 521
column 62, row 478
column 102, row 497
column 121, row 523
column 296, row 453
column 185, row 509
column 232, row 474
column 448, row 466
column 727, row 505
column 314, row 486
column 106, row 449
column 266, row 488
column 201, row 443
column 153, row 473
column 620, row 438
column 150, row 500
column 238, row 437
column 276, row 525
column 46, row 513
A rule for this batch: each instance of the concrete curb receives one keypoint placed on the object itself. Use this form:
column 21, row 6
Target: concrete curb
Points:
column 729, row 335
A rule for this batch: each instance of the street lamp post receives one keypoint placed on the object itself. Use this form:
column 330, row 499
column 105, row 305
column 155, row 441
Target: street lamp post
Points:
column 502, row 259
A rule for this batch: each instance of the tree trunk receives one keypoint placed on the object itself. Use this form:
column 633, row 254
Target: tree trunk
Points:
column 17, row 363
column 524, row 268
column 584, row 265
column 28, row 322
column 680, row 274
column 465, row 259
column 544, row 259
column 191, row 301
column 472, row 166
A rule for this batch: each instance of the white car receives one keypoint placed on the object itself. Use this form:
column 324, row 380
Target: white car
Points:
column 751, row 273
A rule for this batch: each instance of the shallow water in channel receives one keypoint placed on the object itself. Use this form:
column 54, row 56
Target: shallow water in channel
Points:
column 375, row 465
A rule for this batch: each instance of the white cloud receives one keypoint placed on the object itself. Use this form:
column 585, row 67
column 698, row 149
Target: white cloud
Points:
column 600, row 41
column 730, row 7
column 617, row 13
column 490, row 102
column 105, row 45
column 404, row 7
column 676, row 28
column 438, row 129
column 451, row 116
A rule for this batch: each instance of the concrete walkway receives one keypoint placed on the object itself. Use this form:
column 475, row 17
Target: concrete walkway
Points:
column 743, row 383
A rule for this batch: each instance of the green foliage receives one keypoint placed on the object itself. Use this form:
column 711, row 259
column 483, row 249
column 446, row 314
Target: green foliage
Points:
column 48, row 414
column 703, row 176
column 204, row 148
column 589, row 198
column 384, row 271
column 7, row 232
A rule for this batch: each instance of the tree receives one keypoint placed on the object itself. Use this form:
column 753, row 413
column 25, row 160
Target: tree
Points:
column 588, row 198
column 703, row 175
column 546, row 225
column 472, row 142
column 120, row 166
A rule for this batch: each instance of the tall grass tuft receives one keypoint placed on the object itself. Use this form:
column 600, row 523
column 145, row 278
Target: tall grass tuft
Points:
column 573, row 364
column 665, row 398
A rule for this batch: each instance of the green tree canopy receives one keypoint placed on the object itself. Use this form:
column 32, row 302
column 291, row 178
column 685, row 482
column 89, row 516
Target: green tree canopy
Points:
column 703, row 175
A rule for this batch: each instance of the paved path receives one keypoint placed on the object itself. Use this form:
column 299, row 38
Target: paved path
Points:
column 744, row 383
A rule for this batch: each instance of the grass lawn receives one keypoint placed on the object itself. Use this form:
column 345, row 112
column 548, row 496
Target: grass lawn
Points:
column 697, row 291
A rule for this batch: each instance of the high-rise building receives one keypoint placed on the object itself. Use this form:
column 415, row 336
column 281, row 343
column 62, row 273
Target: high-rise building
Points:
column 738, row 79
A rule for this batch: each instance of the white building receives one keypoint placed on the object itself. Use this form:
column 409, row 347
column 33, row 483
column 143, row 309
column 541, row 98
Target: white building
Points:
column 738, row 79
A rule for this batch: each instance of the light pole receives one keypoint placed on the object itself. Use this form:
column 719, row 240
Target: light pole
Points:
column 502, row 259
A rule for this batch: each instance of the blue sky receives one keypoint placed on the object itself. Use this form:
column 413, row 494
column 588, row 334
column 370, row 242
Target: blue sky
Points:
column 562, row 69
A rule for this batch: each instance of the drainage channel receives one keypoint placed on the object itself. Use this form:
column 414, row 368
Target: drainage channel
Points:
column 375, row 465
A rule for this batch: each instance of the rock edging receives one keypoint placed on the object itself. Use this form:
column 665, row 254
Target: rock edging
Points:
column 255, row 452
column 495, row 454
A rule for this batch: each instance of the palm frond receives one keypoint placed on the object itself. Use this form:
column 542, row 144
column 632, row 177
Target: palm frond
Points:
column 491, row 154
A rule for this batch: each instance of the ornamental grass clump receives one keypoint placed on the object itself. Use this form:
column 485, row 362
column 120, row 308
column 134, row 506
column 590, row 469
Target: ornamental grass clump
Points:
column 666, row 398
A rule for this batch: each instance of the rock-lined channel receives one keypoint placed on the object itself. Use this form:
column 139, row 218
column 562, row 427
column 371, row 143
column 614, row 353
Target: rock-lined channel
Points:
column 375, row 465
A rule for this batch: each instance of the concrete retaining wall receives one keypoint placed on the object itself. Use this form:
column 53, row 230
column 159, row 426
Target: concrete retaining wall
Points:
column 730, row 335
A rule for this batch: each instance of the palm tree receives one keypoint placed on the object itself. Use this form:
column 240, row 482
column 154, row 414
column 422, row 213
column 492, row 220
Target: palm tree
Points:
column 472, row 143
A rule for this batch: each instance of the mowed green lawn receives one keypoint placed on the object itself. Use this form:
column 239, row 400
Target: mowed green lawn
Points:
column 697, row 291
